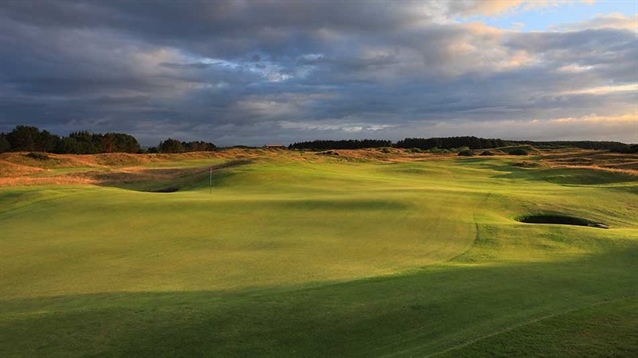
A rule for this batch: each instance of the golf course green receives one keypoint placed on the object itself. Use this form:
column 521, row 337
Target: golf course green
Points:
column 308, row 255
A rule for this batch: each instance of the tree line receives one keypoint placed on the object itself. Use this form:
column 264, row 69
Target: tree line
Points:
column 583, row 144
column 175, row 146
column 450, row 142
column 32, row 139
column 341, row 144
column 626, row 149
column 486, row 143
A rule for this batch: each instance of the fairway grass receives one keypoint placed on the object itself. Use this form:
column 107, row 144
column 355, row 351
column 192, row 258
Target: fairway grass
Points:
column 307, row 255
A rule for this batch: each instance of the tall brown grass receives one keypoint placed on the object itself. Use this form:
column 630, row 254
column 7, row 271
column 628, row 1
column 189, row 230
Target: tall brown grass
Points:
column 17, row 169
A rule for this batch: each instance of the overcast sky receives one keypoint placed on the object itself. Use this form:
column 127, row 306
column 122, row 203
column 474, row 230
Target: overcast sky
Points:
column 256, row 72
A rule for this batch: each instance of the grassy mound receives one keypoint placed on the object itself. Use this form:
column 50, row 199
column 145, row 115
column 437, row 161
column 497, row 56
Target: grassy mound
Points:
column 582, row 176
column 526, row 148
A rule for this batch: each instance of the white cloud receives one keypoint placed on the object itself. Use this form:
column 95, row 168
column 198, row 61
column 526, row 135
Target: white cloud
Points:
column 599, row 90
column 602, row 21
column 590, row 127
column 496, row 7
column 336, row 126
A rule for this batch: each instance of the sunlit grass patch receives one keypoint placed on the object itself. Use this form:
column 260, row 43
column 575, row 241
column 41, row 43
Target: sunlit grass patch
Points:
column 300, row 254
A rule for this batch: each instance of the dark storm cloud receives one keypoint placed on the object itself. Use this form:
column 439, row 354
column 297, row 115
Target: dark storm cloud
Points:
column 251, row 72
column 194, row 65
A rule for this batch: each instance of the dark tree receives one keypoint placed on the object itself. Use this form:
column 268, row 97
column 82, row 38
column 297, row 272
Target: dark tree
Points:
column 47, row 142
column 341, row 144
column 5, row 146
column 170, row 146
column 86, row 143
column 450, row 143
column 518, row 151
column 24, row 138
column 67, row 145
column 198, row 146
column 626, row 149
column 120, row 143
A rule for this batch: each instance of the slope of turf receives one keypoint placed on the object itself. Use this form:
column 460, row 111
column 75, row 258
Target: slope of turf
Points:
column 333, row 258
column 606, row 329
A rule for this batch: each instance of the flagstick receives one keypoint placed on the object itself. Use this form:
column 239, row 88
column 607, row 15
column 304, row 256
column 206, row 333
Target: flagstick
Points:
column 210, row 181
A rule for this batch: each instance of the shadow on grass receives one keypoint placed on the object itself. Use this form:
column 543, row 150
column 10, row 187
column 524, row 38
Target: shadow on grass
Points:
column 560, row 219
column 416, row 314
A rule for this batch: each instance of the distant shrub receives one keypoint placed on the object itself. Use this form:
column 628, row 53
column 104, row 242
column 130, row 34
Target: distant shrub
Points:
column 437, row 150
column 466, row 153
column 626, row 149
column 526, row 164
column 5, row 146
column 38, row 156
column 518, row 152
column 486, row 152
column 385, row 150
column 328, row 152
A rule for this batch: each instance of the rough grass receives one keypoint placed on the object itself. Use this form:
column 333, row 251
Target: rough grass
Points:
column 593, row 159
column 309, row 255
